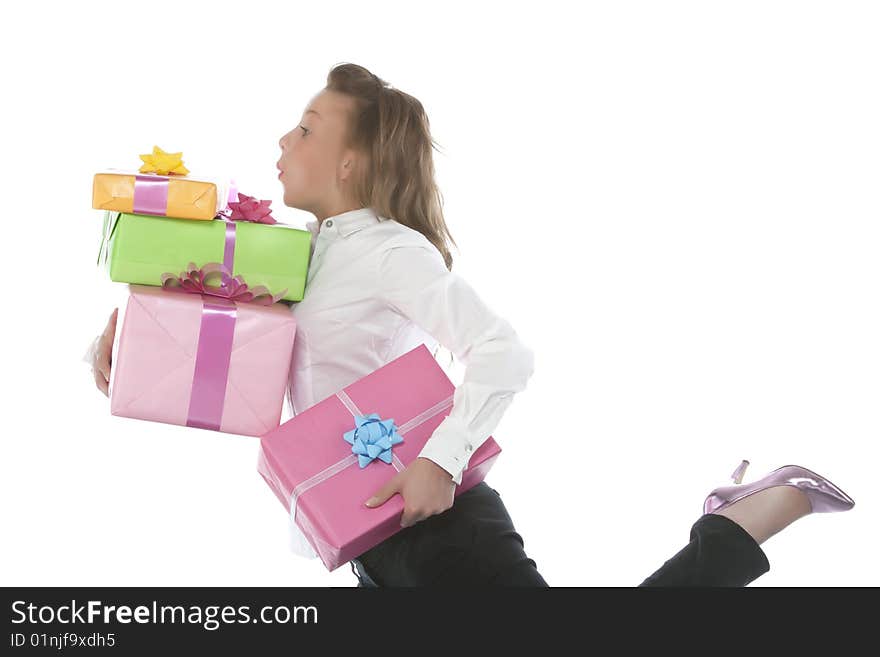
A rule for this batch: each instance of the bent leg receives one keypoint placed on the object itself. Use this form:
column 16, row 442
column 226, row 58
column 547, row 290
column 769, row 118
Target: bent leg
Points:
column 474, row 543
column 720, row 553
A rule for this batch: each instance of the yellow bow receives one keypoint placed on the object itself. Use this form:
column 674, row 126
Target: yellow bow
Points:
column 162, row 163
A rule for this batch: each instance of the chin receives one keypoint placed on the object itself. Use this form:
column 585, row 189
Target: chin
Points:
column 289, row 201
column 293, row 203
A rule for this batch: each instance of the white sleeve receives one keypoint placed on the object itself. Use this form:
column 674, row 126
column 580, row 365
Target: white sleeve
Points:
column 415, row 282
column 89, row 356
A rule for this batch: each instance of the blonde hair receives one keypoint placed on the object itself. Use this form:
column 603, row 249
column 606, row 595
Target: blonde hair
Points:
column 391, row 129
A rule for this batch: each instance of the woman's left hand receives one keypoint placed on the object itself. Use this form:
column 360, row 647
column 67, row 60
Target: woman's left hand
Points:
column 427, row 489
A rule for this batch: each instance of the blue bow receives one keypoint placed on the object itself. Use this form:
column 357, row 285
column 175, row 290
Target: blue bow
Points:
column 372, row 438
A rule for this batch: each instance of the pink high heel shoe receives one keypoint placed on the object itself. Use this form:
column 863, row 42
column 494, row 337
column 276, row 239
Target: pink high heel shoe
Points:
column 824, row 496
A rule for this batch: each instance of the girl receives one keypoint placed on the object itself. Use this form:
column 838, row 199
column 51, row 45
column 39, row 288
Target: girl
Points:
column 379, row 284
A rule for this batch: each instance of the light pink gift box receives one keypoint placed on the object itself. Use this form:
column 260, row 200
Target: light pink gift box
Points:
column 198, row 361
column 308, row 456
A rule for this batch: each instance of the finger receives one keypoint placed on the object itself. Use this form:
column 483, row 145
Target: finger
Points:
column 105, row 343
column 111, row 323
column 101, row 383
column 384, row 493
column 102, row 366
column 410, row 518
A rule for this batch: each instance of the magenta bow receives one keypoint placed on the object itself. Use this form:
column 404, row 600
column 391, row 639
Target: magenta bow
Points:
column 195, row 280
column 247, row 208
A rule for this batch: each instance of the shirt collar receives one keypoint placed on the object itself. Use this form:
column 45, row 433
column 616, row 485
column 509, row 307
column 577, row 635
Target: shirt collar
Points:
column 344, row 224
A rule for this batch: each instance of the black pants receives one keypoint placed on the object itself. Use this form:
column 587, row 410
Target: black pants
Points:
column 471, row 543
column 721, row 553
column 474, row 543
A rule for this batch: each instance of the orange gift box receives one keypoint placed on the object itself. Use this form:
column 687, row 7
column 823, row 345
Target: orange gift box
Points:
column 180, row 197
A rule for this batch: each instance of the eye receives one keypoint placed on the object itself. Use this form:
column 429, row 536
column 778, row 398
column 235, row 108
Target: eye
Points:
column 306, row 130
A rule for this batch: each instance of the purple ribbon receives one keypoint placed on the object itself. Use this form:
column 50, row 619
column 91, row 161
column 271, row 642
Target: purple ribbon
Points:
column 197, row 280
column 229, row 248
column 216, row 331
column 208, row 392
column 150, row 194
column 233, row 193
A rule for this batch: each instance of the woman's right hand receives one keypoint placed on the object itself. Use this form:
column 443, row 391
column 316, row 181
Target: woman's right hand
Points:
column 103, row 355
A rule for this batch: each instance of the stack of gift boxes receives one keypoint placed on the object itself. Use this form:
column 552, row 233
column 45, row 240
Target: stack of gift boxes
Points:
column 204, row 344
column 204, row 340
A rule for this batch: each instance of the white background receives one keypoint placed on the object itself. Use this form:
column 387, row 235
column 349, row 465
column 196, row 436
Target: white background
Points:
column 675, row 204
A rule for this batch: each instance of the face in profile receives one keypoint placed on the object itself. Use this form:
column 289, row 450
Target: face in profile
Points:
column 314, row 160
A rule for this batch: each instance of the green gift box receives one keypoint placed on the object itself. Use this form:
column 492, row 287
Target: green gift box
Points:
column 140, row 248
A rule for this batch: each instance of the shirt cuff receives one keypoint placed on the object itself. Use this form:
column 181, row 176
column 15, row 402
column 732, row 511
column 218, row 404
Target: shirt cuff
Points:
column 449, row 447
column 89, row 356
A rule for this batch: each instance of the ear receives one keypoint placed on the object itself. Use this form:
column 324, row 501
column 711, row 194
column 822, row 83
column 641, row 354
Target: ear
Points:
column 346, row 169
column 347, row 164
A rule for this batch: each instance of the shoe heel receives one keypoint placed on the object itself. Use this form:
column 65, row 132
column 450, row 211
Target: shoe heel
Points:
column 715, row 502
column 737, row 475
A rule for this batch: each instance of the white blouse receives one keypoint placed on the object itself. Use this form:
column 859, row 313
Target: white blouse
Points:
column 377, row 289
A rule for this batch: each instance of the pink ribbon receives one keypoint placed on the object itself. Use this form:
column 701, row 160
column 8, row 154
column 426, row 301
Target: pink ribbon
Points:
column 248, row 208
column 216, row 331
column 197, row 280
column 150, row 194
column 229, row 247
column 208, row 393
